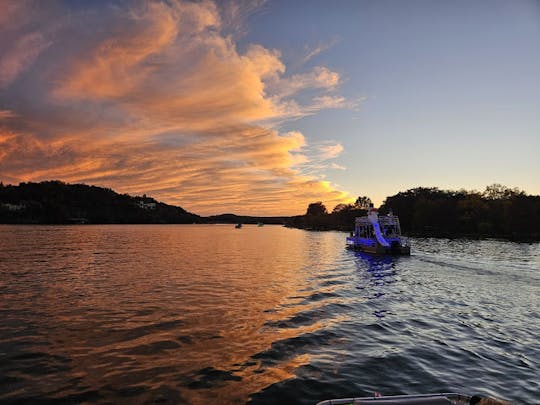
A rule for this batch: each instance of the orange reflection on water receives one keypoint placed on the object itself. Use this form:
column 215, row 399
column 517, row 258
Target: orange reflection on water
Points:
column 204, row 312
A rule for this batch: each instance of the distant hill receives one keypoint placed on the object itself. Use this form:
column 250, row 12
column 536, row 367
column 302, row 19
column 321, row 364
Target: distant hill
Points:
column 237, row 219
column 55, row 202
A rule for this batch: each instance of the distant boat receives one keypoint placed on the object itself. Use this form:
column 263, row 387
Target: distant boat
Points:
column 378, row 234
column 78, row 221
column 238, row 226
column 260, row 224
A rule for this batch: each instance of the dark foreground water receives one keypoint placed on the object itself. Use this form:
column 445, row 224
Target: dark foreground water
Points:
column 214, row 315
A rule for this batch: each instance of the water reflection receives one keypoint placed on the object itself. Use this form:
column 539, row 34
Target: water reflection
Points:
column 381, row 268
column 375, row 275
column 151, row 311
column 269, row 315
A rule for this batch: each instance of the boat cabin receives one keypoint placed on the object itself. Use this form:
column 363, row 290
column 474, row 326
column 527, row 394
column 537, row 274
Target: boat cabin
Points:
column 378, row 234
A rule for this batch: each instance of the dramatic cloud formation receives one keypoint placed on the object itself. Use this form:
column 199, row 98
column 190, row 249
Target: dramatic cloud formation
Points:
column 157, row 98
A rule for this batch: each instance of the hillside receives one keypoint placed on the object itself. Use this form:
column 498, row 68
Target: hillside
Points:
column 55, row 202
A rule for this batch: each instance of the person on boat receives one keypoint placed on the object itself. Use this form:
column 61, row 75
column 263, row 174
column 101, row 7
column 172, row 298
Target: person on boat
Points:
column 479, row 400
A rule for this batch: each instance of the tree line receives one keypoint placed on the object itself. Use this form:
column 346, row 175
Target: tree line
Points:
column 497, row 212
column 340, row 219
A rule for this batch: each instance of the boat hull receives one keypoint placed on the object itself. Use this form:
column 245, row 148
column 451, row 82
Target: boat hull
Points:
column 376, row 248
column 420, row 399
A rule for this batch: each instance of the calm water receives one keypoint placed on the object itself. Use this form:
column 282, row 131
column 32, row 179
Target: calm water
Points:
column 211, row 314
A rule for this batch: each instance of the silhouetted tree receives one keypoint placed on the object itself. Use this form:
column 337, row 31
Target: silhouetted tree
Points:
column 342, row 207
column 499, row 192
column 316, row 208
column 363, row 202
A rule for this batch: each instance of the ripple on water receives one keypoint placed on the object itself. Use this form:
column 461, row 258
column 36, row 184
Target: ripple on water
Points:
column 142, row 314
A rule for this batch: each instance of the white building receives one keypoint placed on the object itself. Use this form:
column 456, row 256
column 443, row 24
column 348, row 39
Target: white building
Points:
column 147, row 206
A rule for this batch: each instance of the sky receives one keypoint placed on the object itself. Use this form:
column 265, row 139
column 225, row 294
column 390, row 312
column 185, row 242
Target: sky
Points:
column 262, row 107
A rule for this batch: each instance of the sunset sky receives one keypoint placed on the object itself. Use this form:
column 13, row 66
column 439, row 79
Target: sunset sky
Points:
column 261, row 107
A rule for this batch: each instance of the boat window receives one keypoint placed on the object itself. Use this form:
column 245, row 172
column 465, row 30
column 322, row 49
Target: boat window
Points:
column 363, row 231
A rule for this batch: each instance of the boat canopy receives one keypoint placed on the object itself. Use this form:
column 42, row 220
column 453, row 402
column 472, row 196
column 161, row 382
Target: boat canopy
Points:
column 389, row 225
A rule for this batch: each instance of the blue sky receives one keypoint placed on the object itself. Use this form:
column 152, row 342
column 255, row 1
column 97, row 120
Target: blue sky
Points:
column 452, row 89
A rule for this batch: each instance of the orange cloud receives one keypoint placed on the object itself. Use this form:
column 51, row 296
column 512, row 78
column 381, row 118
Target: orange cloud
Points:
column 162, row 102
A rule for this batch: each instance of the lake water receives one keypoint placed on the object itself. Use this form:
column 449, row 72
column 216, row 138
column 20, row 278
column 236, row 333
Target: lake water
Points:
column 202, row 314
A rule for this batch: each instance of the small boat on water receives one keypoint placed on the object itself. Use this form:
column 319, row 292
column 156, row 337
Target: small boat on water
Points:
column 423, row 399
column 378, row 234
column 238, row 226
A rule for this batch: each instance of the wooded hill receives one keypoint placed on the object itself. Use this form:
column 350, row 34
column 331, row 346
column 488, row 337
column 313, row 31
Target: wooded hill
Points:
column 55, row 202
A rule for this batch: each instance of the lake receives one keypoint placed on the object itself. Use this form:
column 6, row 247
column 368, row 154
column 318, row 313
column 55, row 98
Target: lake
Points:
column 201, row 314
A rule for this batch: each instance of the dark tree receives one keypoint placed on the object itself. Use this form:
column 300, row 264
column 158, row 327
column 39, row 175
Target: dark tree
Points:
column 342, row 207
column 500, row 192
column 363, row 202
column 316, row 208
column 498, row 212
